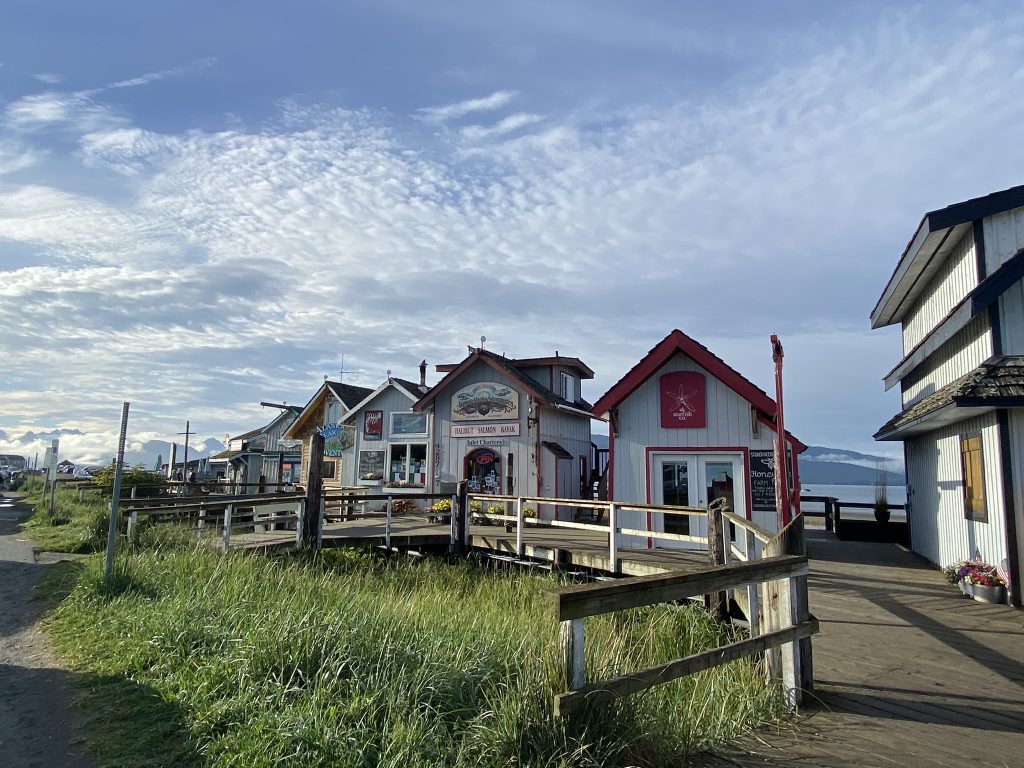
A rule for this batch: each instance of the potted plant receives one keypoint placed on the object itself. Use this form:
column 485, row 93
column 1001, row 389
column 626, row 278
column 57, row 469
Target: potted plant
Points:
column 440, row 511
column 987, row 586
column 956, row 573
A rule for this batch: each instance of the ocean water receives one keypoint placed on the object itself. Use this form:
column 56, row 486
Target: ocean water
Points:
column 864, row 494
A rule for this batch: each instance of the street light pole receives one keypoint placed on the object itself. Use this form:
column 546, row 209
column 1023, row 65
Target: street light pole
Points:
column 184, row 466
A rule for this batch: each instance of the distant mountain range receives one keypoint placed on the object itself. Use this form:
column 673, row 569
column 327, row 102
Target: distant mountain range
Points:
column 81, row 448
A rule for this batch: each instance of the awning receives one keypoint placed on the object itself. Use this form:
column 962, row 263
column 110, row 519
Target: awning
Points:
column 556, row 449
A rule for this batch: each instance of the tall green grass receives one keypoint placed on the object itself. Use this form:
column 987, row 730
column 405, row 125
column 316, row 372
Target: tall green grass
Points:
column 74, row 526
column 353, row 660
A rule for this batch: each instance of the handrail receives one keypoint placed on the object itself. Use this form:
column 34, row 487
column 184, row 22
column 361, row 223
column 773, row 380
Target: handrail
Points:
column 760, row 533
column 573, row 604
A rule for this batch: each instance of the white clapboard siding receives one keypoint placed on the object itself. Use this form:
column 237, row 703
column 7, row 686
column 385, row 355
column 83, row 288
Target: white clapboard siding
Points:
column 1017, row 458
column 639, row 425
column 1011, row 319
column 938, row 529
column 956, row 278
column 390, row 401
column 1004, row 237
column 968, row 349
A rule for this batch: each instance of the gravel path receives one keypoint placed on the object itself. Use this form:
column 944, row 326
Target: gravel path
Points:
column 37, row 724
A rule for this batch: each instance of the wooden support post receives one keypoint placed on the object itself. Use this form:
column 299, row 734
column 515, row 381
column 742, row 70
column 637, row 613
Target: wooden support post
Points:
column 387, row 524
column 453, row 541
column 753, row 591
column 519, row 526
column 571, row 635
column 461, row 517
column 830, row 524
column 717, row 602
column 227, row 525
column 202, row 519
column 300, row 523
column 613, row 537
column 321, row 517
column 133, row 520
column 786, row 605
column 314, row 488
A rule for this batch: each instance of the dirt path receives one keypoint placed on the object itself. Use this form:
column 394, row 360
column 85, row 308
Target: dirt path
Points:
column 37, row 725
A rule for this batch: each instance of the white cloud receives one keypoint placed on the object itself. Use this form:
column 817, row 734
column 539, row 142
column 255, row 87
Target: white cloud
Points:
column 50, row 78
column 447, row 112
column 233, row 263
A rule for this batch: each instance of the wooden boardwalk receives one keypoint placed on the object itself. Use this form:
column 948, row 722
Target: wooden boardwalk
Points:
column 908, row 673
column 566, row 546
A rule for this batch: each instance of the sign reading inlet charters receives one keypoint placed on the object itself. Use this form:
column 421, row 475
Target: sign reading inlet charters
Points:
column 485, row 430
column 683, row 401
column 485, row 401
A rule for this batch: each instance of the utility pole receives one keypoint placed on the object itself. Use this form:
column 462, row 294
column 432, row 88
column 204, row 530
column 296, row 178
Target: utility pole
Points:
column 184, row 466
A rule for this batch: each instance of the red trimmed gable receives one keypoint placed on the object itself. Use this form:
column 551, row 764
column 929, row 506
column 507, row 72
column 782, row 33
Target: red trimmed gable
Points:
column 674, row 343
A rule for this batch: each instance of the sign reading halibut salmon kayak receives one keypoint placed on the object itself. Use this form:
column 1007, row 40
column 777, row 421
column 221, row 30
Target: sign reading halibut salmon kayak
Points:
column 485, row 430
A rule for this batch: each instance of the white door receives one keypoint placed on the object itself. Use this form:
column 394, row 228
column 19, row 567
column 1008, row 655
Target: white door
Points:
column 694, row 480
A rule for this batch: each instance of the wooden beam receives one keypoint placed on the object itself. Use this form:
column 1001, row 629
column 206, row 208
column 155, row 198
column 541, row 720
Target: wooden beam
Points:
column 626, row 685
column 605, row 597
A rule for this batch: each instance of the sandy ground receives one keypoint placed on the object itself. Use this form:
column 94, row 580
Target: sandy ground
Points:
column 37, row 725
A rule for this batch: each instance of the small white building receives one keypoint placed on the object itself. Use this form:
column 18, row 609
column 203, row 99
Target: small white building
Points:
column 511, row 426
column 958, row 294
column 686, row 429
column 258, row 457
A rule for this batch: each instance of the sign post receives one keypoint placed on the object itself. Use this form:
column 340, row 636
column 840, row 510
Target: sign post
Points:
column 51, row 472
column 781, row 458
column 115, row 499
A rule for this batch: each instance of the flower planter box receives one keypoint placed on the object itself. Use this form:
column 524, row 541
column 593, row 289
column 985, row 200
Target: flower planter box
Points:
column 983, row 594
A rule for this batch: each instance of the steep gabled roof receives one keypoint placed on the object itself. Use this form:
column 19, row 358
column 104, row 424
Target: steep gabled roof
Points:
column 508, row 367
column 936, row 235
column 291, row 410
column 663, row 351
column 407, row 388
column 348, row 394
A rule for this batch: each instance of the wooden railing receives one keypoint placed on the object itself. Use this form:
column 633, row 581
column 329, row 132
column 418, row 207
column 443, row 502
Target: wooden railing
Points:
column 573, row 604
column 833, row 509
column 224, row 515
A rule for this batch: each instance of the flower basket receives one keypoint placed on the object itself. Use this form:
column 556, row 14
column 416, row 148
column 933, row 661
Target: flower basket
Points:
column 995, row 595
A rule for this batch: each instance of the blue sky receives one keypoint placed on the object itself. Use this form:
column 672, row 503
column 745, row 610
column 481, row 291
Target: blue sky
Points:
column 203, row 206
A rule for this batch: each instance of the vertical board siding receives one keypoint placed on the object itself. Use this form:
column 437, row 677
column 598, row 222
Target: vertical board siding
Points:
column 639, row 425
column 939, row 530
column 956, row 278
column 1017, row 457
column 968, row 349
column 389, row 401
column 572, row 432
column 1011, row 319
column 1004, row 237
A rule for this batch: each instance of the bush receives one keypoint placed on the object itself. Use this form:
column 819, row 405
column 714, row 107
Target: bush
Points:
column 146, row 482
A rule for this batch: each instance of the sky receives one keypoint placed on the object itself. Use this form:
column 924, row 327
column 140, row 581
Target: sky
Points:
column 208, row 205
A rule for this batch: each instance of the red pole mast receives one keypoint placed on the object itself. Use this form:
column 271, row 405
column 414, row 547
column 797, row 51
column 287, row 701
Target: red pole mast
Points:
column 782, row 494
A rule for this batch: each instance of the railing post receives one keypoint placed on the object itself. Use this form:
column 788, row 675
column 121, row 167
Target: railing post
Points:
column 717, row 602
column 300, row 522
column 227, row 525
column 133, row 520
column 320, row 522
column 829, row 521
column 613, row 537
column 519, row 526
column 387, row 525
column 462, row 526
column 571, row 636
column 453, row 543
column 753, row 592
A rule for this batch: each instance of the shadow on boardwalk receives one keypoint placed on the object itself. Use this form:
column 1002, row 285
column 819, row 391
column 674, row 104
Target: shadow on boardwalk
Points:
column 909, row 673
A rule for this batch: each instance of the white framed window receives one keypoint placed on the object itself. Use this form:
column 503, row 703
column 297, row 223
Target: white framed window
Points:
column 568, row 387
column 330, row 470
column 408, row 423
column 407, row 463
column 333, row 411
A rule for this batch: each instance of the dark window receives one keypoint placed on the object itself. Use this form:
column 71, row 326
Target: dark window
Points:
column 972, row 464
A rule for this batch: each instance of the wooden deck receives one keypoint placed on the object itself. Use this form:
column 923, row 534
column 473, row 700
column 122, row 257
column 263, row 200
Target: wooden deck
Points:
column 565, row 546
column 909, row 673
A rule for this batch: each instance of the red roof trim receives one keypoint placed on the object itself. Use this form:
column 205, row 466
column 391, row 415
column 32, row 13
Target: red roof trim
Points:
column 677, row 341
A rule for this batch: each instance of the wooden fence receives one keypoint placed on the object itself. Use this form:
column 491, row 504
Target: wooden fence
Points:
column 773, row 577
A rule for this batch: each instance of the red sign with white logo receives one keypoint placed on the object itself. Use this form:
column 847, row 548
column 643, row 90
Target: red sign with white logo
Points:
column 683, row 400
column 373, row 425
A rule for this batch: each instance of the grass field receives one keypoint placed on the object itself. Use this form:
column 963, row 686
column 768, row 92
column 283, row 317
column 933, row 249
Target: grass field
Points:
column 76, row 526
column 192, row 658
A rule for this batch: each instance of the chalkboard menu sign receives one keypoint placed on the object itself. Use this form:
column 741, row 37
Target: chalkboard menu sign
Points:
column 762, row 481
column 371, row 465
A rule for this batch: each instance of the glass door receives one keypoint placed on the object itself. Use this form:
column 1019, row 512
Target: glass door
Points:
column 694, row 480
column 676, row 490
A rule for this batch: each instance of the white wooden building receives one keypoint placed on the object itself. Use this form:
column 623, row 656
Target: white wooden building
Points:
column 511, row 426
column 958, row 294
column 685, row 429
column 390, row 442
column 257, row 456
